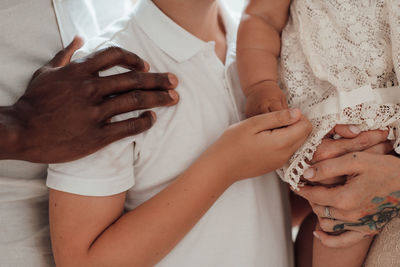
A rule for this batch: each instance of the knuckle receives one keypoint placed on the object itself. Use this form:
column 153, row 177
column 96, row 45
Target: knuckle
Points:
column 363, row 141
column 135, row 99
column 283, row 117
column 95, row 113
column 89, row 88
column 263, row 107
column 138, row 80
column 345, row 203
column 115, row 52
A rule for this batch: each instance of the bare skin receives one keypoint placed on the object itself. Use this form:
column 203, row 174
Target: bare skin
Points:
column 64, row 114
column 143, row 236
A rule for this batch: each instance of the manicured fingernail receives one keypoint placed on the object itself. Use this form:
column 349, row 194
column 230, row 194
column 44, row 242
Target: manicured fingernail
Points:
column 309, row 173
column 294, row 112
column 172, row 79
column 354, row 129
column 173, row 94
column 316, row 235
column 146, row 66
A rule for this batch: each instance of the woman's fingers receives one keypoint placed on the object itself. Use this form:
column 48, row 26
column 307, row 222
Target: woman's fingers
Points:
column 273, row 120
column 350, row 164
column 320, row 195
column 338, row 241
column 334, row 148
column 337, row 214
column 347, row 131
column 382, row 148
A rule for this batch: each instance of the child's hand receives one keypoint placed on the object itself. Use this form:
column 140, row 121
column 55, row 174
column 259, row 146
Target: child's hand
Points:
column 259, row 145
column 265, row 97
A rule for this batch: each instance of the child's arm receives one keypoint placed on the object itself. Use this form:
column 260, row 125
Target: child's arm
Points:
column 258, row 50
column 351, row 256
column 93, row 231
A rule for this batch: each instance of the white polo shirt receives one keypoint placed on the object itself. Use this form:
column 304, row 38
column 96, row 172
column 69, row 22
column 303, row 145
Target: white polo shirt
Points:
column 247, row 226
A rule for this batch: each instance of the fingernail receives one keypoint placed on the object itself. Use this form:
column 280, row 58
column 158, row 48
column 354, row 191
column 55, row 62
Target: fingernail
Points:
column 146, row 66
column 354, row 129
column 153, row 116
column 294, row 112
column 309, row 173
column 173, row 94
column 172, row 79
column 316, row 235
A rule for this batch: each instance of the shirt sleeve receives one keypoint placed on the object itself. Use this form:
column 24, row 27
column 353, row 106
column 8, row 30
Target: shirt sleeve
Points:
column 107, row 172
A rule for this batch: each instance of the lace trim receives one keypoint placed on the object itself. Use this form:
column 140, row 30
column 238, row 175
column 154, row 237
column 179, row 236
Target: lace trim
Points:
column 366, row 116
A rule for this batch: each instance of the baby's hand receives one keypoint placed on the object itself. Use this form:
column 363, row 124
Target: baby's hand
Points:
column 259, row 145
column 265, row 97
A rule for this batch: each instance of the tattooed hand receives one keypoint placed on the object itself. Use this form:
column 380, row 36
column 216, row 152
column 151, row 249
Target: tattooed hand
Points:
column 368, row 199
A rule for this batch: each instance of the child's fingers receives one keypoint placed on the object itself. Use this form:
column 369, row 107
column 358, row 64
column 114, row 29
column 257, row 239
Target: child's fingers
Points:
column 339, row 241
column 295, row 134
column 276, row 106
column 273, row 120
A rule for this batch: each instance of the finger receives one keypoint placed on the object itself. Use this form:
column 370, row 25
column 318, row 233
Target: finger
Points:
column 137, row 100
column 118, row 130
column 337, row 214
column 350, row 164
column 137, row 80
column 276, row 106
column 343, row 240
column 347, row 131
column 334, row 148
column 382, row 148
column 63, row 57
column 338, row 226
column 320, row 195
column 295, row 134
column 114, row 56
column 273, row 120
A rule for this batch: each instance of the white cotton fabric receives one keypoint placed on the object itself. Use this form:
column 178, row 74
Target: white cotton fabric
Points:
column 340, row 65
column 248, row 225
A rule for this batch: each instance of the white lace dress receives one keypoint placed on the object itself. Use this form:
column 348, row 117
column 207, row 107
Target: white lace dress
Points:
column 340, row 65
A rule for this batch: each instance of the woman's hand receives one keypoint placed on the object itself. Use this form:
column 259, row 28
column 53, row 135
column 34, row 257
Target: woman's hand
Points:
column 368, row 200
column 259, row 145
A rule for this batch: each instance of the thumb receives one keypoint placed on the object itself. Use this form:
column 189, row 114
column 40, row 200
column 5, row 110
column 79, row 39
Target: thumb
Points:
column 274, row 120
column 63, row 57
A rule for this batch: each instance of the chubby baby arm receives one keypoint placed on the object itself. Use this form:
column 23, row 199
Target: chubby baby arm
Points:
column 258, row 49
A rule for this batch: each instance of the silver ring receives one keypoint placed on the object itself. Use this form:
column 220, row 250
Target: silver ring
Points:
column 328, row 212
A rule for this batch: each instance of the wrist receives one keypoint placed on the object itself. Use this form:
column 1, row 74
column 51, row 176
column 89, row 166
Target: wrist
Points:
column 215, row 166
column 261, row 85
column 9, row 133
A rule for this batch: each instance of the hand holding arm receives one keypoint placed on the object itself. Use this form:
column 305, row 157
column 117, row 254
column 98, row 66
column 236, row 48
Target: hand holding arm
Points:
column 65, row 111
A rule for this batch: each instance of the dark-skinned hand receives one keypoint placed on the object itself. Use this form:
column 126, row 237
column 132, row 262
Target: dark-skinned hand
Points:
column 66, row 110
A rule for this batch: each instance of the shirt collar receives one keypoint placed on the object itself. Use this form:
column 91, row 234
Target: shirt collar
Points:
column 164, row 32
